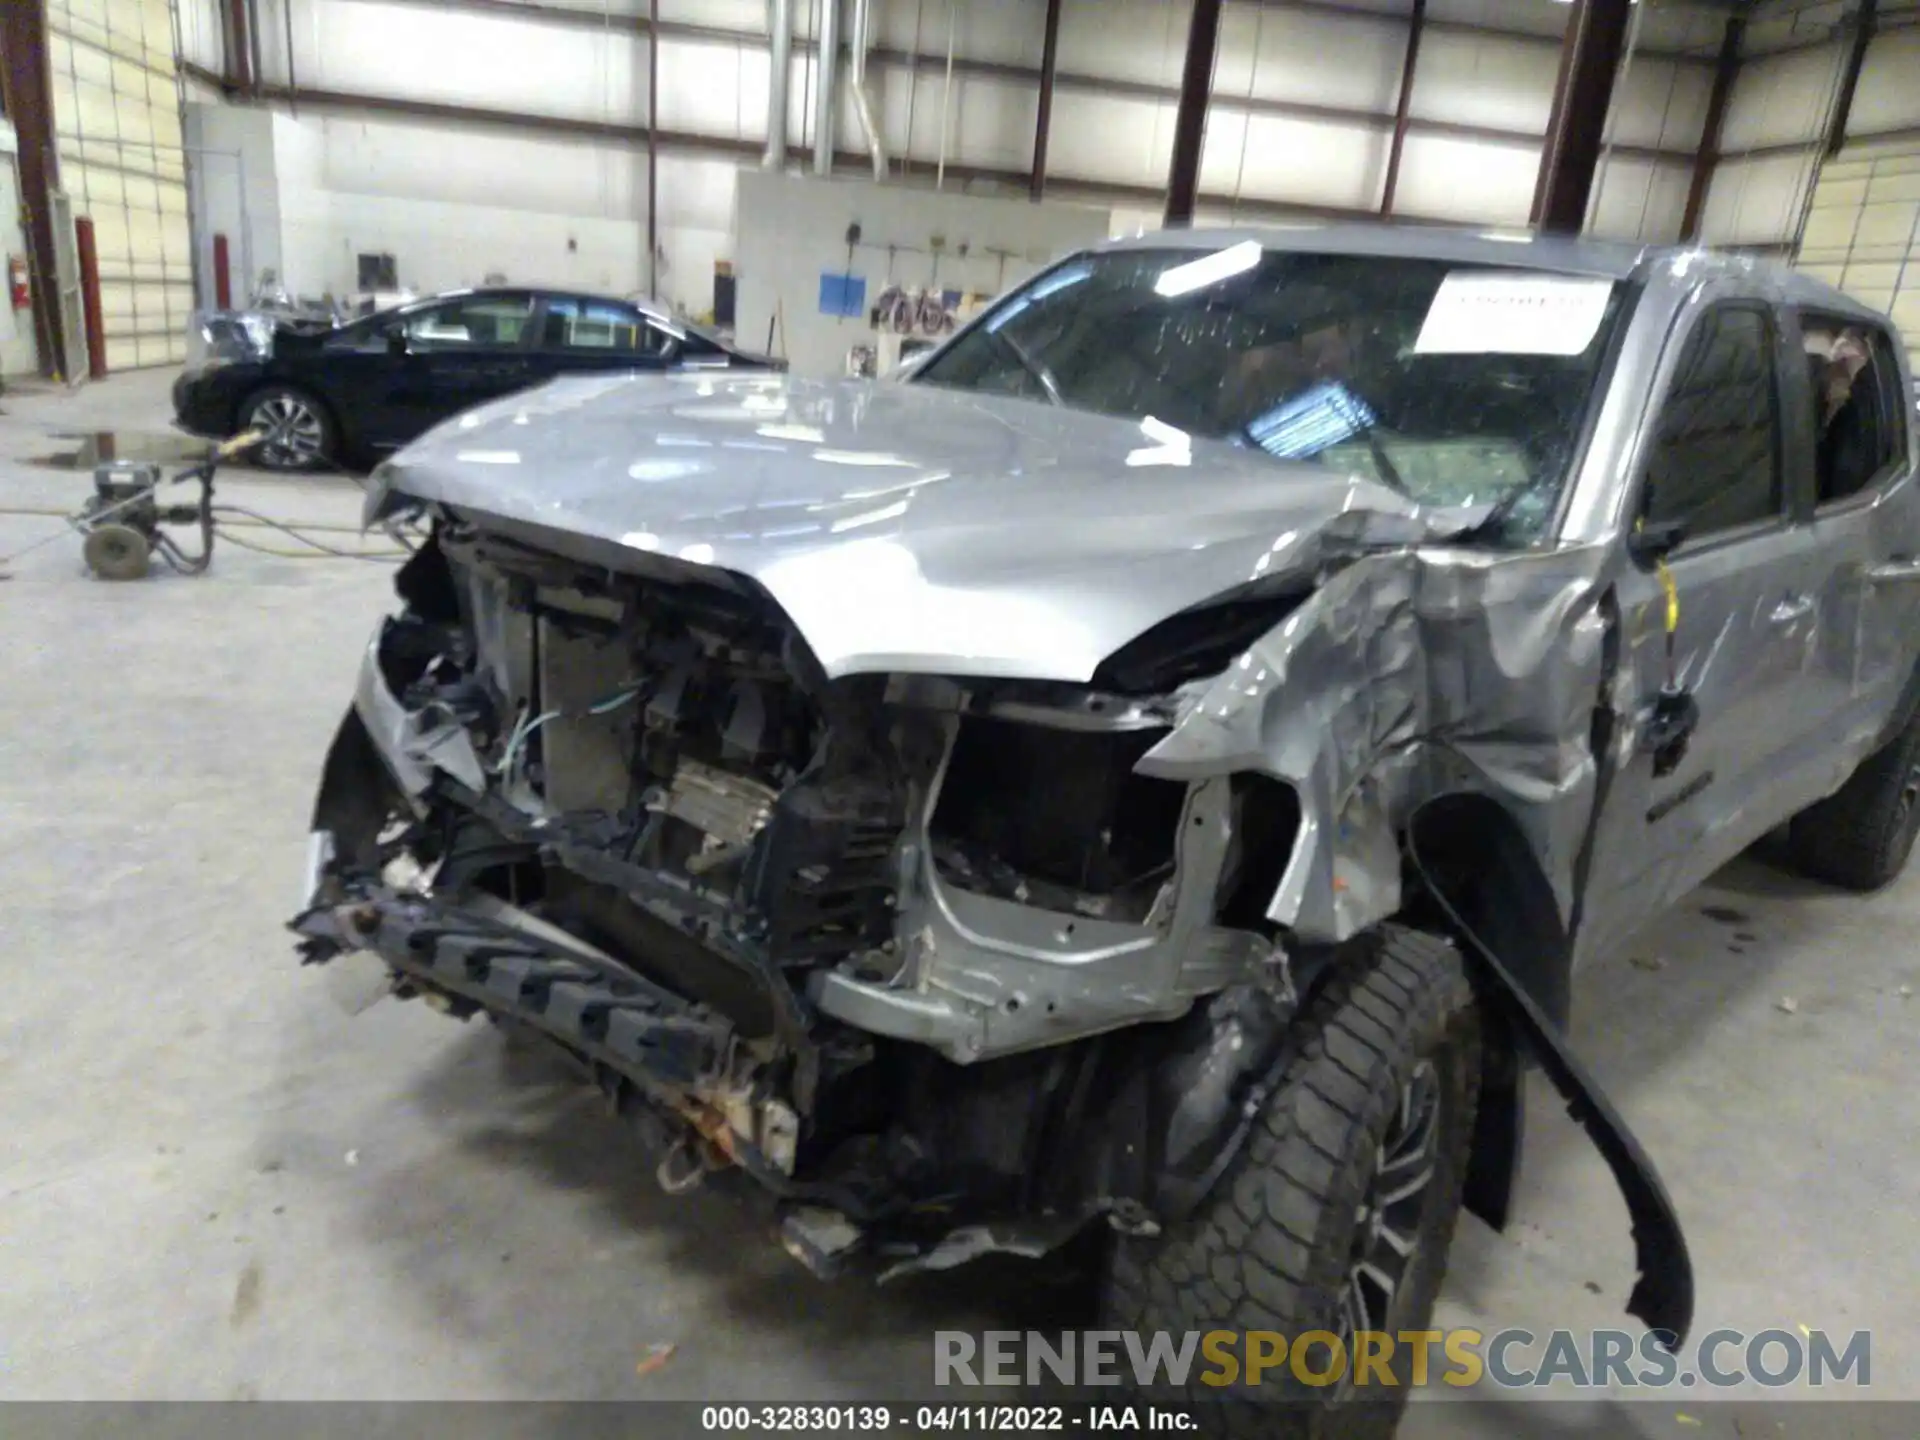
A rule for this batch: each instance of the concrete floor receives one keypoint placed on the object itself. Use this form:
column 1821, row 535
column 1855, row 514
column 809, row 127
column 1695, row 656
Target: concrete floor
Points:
column 213, row 1184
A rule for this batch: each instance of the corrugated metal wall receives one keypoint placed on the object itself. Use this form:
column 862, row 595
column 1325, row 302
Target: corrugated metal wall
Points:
column 1302, row 119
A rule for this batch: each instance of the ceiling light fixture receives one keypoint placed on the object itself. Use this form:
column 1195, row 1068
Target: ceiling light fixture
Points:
column 1208, row 269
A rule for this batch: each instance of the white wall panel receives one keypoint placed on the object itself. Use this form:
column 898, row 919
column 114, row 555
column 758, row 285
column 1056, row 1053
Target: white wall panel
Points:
column 1118, row 140
column 1781, row 99
column 1777, row 27
column 990, row 123
column 439, row 245
column 1485, row 80
column 447, row 161
column 695, row 193
column 710, row 89
column 1309, row 57
column 722, row 14
column 1692, row 29
column 1307, row 161
column 1525, row 15
column 201, row 36
column 235, row 192
column 1888, row 96
column 1442, row 178
column 1660, row 103
column 457, row 57
column 1752, row 202
column 1639, row 199
column 1009, row 32
column 793, row 229
column 1143, row 40
column 386, row 175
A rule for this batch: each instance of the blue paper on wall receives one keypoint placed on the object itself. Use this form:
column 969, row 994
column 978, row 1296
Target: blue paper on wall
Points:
column 844, row 295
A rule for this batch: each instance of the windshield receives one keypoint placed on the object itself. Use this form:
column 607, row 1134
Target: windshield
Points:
column 1458, row 385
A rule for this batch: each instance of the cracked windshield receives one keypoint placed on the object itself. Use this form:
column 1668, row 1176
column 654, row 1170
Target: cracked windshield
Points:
column 1458, row 386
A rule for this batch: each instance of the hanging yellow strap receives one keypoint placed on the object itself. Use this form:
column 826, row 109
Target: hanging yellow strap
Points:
column 1672, row 592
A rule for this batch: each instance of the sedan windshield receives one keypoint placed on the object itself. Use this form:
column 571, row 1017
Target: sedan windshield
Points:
column 1460, row 386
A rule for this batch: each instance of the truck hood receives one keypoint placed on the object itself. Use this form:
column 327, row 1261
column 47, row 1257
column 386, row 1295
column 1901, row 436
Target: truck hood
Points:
column 905, row 527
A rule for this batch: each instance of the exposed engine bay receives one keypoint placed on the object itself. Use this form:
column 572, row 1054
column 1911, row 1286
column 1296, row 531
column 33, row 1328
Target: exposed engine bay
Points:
column 864, row 937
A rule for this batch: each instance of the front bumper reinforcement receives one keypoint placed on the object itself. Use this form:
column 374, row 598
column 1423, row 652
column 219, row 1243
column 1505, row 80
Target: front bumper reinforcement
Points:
column 681, row 1058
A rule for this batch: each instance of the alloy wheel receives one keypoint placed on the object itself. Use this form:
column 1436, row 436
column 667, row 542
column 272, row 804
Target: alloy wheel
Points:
column 1389, row 1219
column 295, row 434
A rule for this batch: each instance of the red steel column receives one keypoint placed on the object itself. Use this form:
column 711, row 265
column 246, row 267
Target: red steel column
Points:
column 239, row 51
column 29, row 92
column 222, row 274
column 1190, row 120
column 90, row 297
column 1724, row 74
column 1401, row 112
column 1865, row 22
column 1590, row 59
column 1043, row 123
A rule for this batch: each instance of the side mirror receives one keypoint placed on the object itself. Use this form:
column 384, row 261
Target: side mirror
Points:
column 397, row 341
column 1654, row 540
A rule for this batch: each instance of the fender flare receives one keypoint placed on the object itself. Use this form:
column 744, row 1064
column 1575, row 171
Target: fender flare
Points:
column 1663, row 1291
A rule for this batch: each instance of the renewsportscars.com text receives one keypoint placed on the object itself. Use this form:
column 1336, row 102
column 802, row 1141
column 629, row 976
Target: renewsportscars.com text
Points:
column 1506, row 1359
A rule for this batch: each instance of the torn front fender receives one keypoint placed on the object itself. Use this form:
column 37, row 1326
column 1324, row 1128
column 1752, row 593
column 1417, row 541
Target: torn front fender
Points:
column 1406, row 675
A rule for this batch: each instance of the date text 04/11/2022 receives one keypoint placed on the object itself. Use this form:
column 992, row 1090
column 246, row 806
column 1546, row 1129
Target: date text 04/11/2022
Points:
column 938, row 1419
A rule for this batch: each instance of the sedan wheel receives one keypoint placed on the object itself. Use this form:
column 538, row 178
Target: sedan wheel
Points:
column 296, row 430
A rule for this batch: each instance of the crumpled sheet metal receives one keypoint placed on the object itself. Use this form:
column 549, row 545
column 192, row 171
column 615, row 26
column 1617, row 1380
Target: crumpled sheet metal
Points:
column 414, row 742
column 1408, row 674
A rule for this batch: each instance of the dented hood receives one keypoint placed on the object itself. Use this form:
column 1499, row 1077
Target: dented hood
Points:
column 905, row 527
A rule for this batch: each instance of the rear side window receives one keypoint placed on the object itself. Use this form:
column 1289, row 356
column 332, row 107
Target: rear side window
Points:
column 1860, row 420
column 1715, row 461
column 473, row 322
column 600, row 326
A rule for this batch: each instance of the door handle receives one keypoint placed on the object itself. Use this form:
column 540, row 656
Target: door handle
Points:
column 1895, row 572
column 1794, row 607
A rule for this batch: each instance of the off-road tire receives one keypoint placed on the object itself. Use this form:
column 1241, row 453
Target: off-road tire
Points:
column 1860, row 836
column 1271, row 1247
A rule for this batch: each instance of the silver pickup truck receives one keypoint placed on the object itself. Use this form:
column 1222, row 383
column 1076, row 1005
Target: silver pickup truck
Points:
column 1144, row 779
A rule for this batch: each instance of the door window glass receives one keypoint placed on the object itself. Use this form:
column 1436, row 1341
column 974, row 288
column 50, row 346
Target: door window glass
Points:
column 1859, row 414
column 599, row 325
column 479, row 322
column 1715, row 461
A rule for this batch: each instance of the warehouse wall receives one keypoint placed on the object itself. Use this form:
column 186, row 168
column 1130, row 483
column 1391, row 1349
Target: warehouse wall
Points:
column 1301, row 119
column 19, row 355
column 116, row 120
column 1863, row 230
column 1778, row 115
column 793, row 232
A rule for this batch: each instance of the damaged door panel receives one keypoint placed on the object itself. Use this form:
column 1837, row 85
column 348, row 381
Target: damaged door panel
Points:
column 1013, row 800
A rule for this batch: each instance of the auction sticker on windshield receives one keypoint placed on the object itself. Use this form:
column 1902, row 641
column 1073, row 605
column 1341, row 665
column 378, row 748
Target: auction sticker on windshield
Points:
column 1501, row 312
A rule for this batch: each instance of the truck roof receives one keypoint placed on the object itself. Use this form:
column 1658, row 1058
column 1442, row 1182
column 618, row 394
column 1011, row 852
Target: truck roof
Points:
column 1512, row 249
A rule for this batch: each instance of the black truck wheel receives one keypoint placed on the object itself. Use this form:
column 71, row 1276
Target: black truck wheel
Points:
column 1338, row 1214
column 1860, row 836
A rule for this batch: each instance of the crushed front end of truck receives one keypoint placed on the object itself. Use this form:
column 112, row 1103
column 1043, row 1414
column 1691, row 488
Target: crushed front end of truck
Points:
column 882, row 793
column 920, row 955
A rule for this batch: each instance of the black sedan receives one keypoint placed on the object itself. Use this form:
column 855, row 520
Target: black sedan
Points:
column 346, row 396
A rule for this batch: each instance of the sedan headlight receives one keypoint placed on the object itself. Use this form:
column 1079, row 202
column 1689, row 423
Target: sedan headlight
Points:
column 225, row 337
